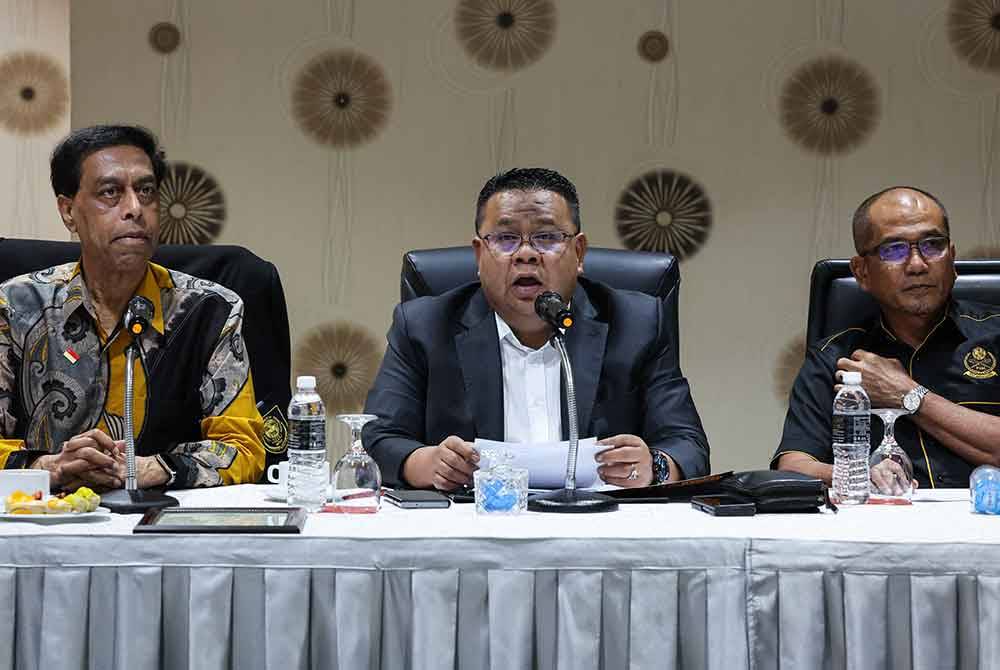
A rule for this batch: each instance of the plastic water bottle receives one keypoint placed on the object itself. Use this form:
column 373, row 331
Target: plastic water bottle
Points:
column 851, row 441
column 308, row 472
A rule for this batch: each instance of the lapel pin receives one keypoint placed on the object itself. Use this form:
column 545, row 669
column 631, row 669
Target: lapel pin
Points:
column 71, row 355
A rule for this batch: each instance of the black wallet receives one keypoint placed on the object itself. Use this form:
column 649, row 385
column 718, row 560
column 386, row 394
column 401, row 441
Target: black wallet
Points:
column 769, row 490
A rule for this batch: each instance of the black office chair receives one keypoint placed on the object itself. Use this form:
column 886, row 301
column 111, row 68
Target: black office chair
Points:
column 836, row 302
column 256, row 281
column 434, row 271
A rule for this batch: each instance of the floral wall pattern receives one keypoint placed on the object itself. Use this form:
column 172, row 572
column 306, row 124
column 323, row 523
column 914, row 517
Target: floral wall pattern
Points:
column 583, row 92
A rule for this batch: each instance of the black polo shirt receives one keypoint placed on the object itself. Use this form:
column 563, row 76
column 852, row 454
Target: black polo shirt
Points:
column 959, row 360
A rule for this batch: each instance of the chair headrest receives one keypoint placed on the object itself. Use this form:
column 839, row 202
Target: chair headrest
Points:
column 434, row 271
column 836, row 302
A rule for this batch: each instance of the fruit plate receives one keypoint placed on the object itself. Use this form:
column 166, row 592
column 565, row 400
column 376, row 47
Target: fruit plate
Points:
column 65, row 517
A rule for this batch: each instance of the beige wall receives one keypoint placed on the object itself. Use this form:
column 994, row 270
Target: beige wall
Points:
column 583, row 110
column 27, row 208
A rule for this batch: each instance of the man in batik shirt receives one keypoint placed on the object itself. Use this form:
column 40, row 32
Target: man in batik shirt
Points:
column 62, row 344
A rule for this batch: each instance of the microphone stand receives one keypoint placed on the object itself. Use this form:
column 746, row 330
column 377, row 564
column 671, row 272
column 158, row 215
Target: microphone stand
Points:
column 569, row 498
column 132, row 499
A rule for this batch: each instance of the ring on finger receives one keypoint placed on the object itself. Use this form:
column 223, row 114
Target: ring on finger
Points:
column 633, row 474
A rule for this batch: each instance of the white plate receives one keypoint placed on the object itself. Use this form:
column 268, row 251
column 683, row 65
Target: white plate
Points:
column 276, row 493
column 67, row 517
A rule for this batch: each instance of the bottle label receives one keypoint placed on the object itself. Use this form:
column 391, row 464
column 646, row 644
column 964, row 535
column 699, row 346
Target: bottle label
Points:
column 851, row 428
column 306, row 434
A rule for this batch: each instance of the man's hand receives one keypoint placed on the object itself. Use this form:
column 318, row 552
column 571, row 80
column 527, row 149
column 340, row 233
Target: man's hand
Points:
column 884, row 379
column 89, row 459
column 628, row 454
column 149, row 472
column 888, row 478
column 446, row 466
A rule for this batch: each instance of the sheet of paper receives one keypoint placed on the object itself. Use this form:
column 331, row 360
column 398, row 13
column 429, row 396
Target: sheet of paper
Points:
column 546, row 461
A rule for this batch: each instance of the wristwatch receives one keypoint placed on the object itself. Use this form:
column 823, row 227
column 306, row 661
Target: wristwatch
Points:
column 913, row 398
column 661, row 466
column 171, row 473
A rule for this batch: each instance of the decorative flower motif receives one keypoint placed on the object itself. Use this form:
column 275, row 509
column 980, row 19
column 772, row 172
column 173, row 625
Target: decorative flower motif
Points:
column 790, row 360
column 341, row 98
column 505, row 34
column 192, row 207
column 164, row 37
column 34, row 93
column 653, row 46
column 344, row 358
column 974, row 32
column 664, row 211
column 829, row 105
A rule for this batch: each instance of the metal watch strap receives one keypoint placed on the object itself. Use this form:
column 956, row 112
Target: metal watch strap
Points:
column 661, row 466
column 920, row 392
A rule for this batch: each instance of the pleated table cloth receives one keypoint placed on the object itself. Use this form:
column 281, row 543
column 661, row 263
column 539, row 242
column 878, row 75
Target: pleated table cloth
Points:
column 649, row 586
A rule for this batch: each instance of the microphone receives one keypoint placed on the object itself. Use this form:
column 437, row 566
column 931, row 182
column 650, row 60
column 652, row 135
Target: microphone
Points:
column 138, row 314
column 132, row 499
column 551, row 309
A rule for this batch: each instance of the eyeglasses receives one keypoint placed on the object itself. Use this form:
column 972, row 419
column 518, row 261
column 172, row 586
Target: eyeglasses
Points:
column 931, row 248
column 545, row 242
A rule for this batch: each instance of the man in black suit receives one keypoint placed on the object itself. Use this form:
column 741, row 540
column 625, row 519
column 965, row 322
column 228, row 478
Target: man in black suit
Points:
column 476, row 362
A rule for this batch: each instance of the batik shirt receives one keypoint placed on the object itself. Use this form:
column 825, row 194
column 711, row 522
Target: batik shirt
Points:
column 61, row 375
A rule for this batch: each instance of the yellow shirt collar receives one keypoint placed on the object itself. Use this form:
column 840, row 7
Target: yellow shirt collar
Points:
column 156, row 278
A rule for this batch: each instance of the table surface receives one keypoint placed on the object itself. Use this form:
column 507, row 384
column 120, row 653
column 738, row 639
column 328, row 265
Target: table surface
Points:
column 936, row 516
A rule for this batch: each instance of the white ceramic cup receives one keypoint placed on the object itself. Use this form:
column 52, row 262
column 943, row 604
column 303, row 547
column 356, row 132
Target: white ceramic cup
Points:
column 278, row 474
column 28, row 481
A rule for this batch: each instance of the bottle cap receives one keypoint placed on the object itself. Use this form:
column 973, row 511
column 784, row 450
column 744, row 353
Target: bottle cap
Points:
column 306, row 382
column 853, row 378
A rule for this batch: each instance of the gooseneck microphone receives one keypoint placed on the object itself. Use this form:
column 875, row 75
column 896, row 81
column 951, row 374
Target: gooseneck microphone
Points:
column 551, row 309
column 138, row 314
column 132, row 499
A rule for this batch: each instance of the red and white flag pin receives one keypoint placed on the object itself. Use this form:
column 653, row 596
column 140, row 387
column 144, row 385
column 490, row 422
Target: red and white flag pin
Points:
column 71, row 355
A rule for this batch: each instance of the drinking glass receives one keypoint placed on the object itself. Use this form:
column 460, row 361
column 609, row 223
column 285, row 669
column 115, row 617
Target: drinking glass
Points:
column 356, row 480
column 891, row 468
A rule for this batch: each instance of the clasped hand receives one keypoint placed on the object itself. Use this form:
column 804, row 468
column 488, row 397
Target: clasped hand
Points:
column 90, row 459
column 94, row 460
column 884, row 379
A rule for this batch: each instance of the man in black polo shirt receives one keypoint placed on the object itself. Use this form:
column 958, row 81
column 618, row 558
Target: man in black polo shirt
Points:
column 932, row 355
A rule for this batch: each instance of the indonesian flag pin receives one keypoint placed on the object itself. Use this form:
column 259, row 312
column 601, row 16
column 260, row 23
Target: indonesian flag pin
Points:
column 71, row 355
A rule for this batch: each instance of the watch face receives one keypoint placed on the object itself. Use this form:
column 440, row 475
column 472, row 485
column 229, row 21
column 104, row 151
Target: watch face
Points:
column 911, row 401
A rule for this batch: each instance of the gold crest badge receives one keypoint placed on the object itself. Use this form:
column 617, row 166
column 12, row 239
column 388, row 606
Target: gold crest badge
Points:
column 275, row 433
column 980, row 364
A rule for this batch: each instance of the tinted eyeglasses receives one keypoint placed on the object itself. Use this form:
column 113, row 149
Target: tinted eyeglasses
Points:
column 931, row 248
column 544, row 242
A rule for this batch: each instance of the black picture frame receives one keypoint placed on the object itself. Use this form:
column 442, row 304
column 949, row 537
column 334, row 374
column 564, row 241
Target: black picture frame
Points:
column 222, row 520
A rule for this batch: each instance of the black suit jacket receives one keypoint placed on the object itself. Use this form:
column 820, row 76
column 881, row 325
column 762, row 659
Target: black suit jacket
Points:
column 442, row 376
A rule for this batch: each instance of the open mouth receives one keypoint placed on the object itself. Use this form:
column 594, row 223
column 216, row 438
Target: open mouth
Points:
column 527, row 287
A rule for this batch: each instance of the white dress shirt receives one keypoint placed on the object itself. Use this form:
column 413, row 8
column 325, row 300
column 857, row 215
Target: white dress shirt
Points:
column 532, row 405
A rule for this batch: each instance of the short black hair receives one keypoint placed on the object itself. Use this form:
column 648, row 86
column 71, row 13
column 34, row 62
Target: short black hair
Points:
column 530, row 179
column 67, row 159
column 863, row 216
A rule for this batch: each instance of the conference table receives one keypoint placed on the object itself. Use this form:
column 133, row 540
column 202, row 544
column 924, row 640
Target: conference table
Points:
column 648, row 586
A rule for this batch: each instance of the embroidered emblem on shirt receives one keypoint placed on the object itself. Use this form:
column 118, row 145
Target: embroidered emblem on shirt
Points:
column 71, row 355
column 980, row 364
column 275, row 434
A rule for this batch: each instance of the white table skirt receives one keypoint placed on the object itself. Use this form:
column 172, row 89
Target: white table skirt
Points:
column 646, row 587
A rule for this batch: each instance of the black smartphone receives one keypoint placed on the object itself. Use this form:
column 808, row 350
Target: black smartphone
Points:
column 723, row 505
column 417, row 499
